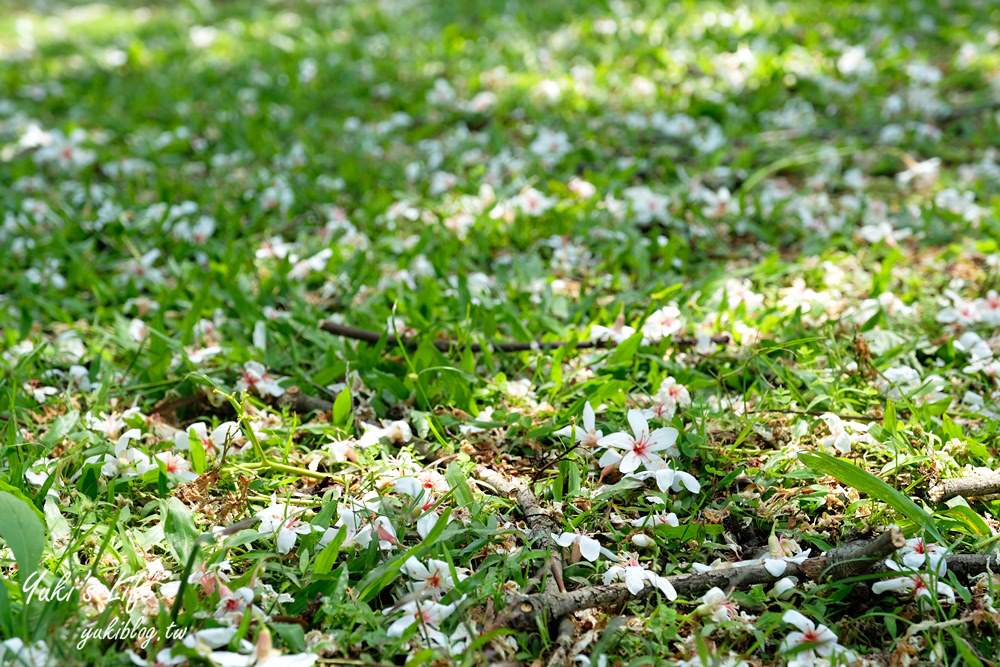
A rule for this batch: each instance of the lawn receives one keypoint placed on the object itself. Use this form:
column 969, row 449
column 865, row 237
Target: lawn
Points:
column 495, row 333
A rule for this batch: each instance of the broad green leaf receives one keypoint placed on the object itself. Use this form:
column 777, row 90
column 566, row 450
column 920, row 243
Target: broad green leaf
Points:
column 328, row 556
column 889, row 419
column 179, row 529
column 853, row 476
column 198, row 460
column 968, row 517
column 625, row 352
column 342, row 408
column 456, row 481
column 23, row 529
column 968, row 656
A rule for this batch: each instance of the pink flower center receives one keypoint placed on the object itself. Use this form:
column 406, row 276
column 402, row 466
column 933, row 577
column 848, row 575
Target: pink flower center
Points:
column 640, row 447
column 385, row 535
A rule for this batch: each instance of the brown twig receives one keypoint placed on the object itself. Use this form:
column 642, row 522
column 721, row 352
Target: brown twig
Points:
column 973, row 486
column 373, row 337
column 847, row 561
column 541, row 525
column 968, row 565
column 296, row 401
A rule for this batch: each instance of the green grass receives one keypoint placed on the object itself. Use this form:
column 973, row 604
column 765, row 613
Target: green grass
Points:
column 188, row 188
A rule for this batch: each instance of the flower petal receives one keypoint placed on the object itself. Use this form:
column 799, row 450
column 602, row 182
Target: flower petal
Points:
column 589, row 548
column 589, row 418
column 640, row 427
column 798, row 620
column 619, row 440
column 629, row 463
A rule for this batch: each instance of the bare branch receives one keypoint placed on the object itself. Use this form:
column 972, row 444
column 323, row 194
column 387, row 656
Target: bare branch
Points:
column 296, row 401
column 541, row 525
column 972, row 486
column 847, row 561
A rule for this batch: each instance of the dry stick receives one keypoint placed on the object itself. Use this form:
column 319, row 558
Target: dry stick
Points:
column 967, row 565
column 847, row 561
column 973, row 486
column 296, row 401
column 540, row 524
column 373, row 337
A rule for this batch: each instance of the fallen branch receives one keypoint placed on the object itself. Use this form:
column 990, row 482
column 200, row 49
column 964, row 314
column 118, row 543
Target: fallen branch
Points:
column 373, row 337
column 972, row 486
column 848, row 561
column 541, row 525
column 969, row 565
column 296, row 401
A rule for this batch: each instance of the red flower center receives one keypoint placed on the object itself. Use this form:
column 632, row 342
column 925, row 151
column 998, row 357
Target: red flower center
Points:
column 640, row 447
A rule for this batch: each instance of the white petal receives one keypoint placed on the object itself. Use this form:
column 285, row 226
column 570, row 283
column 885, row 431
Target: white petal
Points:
column 400, row 625
column 286, row 540
column 415, row 569
column 589, row 418
column 609, row 457
column 664, row 479
column 619, row 440
column 654, row 461
column 425, row 524
column 798, row 620
column 564, row 540
column 289, row 660
column 230, row 659
column 634, row 580
column 629, row 463
column 590, row 548
column 410, row 486
column 663, row 438
column 215, row 637
column 775, row 566
column 640, row 427
column 224, row 431
column 689, row 482
column 896, row 584
column 782, row 586
column 668, row 589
